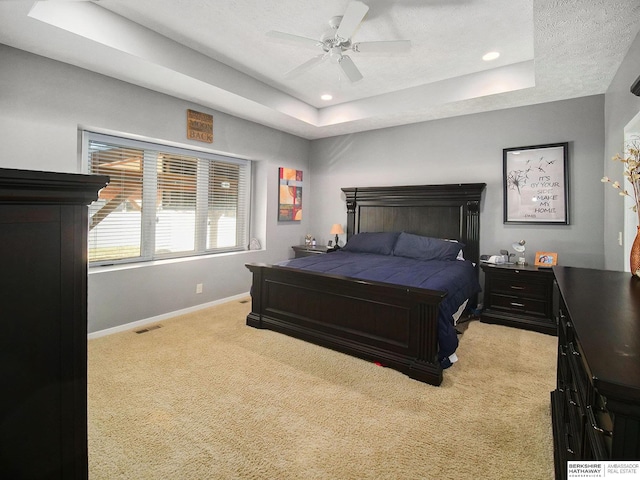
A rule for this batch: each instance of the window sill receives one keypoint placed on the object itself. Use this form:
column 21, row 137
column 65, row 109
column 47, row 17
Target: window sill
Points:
column 167, row 261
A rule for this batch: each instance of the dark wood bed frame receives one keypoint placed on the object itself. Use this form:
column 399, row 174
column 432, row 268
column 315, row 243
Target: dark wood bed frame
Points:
column 394, row 325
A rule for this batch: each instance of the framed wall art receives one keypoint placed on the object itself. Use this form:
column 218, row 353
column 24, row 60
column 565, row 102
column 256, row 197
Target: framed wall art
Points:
column 290, row 195
column 536, row 184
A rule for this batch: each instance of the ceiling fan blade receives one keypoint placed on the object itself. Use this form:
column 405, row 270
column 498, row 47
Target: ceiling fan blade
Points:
column 295, row 40
column 349, row 68
column 306, row 66
column 351, row 19
column 390, row 46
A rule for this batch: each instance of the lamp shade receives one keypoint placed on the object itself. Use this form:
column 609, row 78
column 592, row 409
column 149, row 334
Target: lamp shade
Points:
column 336, row 229
column 518, row 246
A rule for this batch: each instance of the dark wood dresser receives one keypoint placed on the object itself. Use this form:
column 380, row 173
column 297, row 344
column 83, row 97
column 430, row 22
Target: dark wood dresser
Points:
column 596, row 405
column 519, row 296
column 43, row 344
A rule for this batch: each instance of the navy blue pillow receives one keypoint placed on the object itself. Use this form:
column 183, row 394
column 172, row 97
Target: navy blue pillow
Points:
column 380, row 243
column 426, row 248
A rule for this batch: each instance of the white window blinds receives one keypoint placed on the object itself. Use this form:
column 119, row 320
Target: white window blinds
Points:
column 164, row 202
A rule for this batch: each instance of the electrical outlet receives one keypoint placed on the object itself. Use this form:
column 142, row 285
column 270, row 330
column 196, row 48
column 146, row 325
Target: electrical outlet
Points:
column 199, row 288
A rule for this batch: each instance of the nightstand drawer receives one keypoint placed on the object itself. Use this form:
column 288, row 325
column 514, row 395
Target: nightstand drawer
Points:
column 518, row 285
column 308, row 250
column 529, row 306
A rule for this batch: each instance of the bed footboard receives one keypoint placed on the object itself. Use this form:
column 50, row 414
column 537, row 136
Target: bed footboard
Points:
column 393, row 325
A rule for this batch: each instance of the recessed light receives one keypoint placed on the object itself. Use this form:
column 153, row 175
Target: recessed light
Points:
column 326, row 97
column 487, row 57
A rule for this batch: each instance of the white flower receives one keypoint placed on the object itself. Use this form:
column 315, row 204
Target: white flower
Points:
column 631, row 163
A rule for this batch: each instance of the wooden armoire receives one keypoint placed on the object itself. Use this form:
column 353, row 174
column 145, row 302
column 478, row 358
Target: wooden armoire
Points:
column 43, row 331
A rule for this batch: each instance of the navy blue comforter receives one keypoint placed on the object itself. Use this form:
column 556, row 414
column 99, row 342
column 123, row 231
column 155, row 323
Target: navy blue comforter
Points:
column 456, row 277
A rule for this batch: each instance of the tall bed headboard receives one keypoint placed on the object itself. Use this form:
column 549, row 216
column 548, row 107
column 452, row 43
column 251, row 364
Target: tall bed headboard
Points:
column 442, row 211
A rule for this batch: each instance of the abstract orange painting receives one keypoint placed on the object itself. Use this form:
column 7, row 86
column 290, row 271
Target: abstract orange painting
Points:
column 290, row 195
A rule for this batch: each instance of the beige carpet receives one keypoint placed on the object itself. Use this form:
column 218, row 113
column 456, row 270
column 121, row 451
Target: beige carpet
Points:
column 206, row 397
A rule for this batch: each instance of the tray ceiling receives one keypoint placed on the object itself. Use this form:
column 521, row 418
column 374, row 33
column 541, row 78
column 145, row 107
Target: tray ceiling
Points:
column 217, row 54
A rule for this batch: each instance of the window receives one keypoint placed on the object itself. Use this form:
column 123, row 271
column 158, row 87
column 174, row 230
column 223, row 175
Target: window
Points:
column 164, row 202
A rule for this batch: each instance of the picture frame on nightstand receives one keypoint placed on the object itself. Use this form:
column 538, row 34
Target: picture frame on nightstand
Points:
column 546, row 259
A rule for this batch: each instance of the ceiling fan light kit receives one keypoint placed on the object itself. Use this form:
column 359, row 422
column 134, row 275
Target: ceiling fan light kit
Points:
column 338, row 40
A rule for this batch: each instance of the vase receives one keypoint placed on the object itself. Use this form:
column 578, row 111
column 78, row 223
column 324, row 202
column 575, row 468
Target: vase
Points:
column 634, row 257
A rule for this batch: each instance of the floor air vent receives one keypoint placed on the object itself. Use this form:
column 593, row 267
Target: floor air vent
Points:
column 148, row 329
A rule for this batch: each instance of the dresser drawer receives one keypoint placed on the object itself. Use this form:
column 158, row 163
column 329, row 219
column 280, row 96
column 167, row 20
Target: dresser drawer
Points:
column 599, row 426
column 578, row 373
column 575, row 424
column 564, row 378
column 602, row 417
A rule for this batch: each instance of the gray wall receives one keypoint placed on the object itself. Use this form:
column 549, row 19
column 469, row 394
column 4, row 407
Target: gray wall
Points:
column 620, row 107
column 43, row 104
column 469, row 149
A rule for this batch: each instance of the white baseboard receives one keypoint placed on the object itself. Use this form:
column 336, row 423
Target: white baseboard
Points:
column 164, row 316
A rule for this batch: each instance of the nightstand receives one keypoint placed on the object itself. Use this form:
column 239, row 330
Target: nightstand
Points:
column 519, row 296
column 307, row 250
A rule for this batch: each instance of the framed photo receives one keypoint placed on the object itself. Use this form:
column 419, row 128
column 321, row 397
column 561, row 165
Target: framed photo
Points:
column 536, row 184
column 546, row 259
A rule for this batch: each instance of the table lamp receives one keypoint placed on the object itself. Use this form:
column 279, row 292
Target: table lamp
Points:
column 519, row 247
column 336, row 230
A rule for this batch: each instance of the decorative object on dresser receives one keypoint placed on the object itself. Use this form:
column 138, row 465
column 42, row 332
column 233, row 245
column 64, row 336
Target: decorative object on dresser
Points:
column 519, row 249
column 43, row 352
column 546, row 259
column 306, row 250
column 536, row 184
column 336, row 230
column 595, row 407
column 392, row 324
column 631, row 161
column 519, row 296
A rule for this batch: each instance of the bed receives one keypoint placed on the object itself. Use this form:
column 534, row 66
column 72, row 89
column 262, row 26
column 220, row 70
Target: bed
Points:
column 395, row 325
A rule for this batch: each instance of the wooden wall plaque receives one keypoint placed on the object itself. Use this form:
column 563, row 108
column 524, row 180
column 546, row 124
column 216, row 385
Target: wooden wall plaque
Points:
column 199, row 126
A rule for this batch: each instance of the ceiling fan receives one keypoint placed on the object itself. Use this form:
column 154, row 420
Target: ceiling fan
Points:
column 336, row 41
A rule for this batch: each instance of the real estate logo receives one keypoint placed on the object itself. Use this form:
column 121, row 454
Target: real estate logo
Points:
column 606, row 469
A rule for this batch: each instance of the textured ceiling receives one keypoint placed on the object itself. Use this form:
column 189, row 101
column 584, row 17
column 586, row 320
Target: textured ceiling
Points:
column 233, row 32
column 216, row 53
